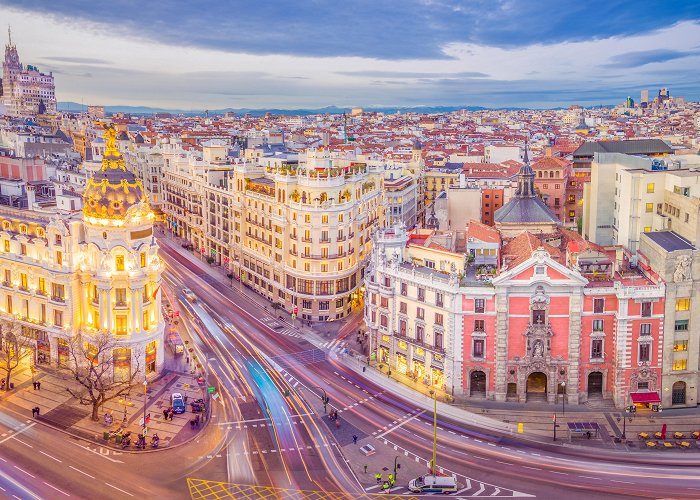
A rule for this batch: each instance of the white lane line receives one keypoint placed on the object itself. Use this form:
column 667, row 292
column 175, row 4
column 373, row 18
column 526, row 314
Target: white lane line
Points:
column 556, row 472
column 27, row 473
column 119, row 489
column 533, row 468
column 25, row 444
column 401, row 424
column 589, row 477
column 52, row 458
column 82, row 472
column 52, row 486
column 18, row 432
column 624, row 482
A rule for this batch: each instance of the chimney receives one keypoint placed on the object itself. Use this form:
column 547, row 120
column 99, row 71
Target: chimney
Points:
column 31, row 197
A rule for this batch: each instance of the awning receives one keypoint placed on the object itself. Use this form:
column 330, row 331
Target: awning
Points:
column 645, row 397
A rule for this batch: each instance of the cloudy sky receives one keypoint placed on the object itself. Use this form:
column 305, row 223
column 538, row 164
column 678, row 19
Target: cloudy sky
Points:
column 313, row 53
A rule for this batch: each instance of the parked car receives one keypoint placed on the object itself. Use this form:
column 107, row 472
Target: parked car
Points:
column 177, row 402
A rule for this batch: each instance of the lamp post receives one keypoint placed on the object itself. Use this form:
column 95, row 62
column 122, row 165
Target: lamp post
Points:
column 563, row 398
column 324, row 400
column 145, row 386
column 434, row 464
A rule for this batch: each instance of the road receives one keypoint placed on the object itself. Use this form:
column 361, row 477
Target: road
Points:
column 502, row 462
column 269, row 429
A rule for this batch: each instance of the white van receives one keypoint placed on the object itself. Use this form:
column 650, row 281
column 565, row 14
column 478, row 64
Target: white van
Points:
column 433, row 484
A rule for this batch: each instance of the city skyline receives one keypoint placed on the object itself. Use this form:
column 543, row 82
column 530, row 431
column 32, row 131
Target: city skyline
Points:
column 421, row 54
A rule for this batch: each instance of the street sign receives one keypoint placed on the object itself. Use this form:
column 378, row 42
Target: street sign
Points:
column 148, row 419
column 211, row 389
column 145, row 431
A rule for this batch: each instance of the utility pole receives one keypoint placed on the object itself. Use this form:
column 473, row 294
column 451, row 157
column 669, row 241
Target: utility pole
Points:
column 434, row 463
column 397, row 466
column 554, row 427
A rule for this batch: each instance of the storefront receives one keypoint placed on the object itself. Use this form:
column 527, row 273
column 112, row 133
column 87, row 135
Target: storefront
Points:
column 151, row 351
column 437, row 377
column 122, row 364
column 646, row 399
column 418, row 370
column 63, row 352
column 43, row 347
column 402, row 363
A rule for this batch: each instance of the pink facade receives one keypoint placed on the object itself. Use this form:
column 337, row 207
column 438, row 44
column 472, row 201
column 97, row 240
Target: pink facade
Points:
column 546, row 329
column 27, row 169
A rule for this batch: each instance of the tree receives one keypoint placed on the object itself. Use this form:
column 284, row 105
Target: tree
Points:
column 14, row 347
column 93, row 367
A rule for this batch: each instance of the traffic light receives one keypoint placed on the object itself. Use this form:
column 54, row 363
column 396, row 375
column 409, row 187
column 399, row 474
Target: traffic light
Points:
column 325, row 399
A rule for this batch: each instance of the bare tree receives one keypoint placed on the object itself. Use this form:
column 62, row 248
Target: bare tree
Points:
column 93, row 367
column 14, row 347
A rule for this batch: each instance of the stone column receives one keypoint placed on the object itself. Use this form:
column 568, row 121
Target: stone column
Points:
column 133, row 309
column 103, row 308
column 108, row 307
column 501, row 345
column 574, row 348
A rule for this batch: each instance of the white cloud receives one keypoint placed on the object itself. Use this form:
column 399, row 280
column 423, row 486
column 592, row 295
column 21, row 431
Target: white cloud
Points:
column 144, row 72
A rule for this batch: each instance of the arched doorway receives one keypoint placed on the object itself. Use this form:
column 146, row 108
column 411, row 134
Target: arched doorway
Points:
column 595, row 384
column 477, row 384
column 536, row 386
column 678, row 393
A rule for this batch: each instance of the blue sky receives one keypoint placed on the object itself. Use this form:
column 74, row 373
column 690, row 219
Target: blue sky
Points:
column 215, row 54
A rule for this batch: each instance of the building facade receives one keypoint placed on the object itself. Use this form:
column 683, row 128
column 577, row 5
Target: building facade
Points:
column 89, row 272
column 25, row 90
column 297, row 232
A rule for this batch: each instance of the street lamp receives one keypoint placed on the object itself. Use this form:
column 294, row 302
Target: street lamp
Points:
column 145, row 385
column 324, row 399
column 434, row 464
column 563, row 398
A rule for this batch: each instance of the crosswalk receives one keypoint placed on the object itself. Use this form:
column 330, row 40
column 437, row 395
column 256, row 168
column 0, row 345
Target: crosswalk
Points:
column 467, row 488
column 335, row 345
column 279, row 327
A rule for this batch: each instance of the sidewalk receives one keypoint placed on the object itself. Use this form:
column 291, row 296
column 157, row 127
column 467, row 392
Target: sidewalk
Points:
column 59, row 409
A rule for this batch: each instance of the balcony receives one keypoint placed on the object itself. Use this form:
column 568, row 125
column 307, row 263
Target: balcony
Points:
column 58, row 298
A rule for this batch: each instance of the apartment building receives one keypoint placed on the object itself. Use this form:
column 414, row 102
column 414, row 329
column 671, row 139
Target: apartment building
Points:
column 296, row 230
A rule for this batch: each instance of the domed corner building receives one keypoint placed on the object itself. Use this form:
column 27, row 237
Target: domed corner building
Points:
column 119, row 267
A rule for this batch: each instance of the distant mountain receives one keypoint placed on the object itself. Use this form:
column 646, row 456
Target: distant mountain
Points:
column 333, row 110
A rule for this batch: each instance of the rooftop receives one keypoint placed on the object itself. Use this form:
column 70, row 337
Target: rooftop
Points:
column 633, row 147
column 670, row 241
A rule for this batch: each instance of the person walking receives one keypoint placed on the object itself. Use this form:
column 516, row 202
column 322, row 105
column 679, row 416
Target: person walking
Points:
column 165, row 414
column 378, row 477
column 34, row 384
column 390, row 477
column 354, row 439
column 38, row 386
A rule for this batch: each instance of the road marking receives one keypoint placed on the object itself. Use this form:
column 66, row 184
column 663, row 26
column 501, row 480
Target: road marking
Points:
column 589, row 477
column 624, row 482
column 18, row 432
column 52, row 458
column 82, row 472
column 119, row 489
column 562, row 473
column 532, row 468
column 52, row 486
column 25, row 444
column 27, row 473
column 86, row 448
column 481, row 488
column 401, row 424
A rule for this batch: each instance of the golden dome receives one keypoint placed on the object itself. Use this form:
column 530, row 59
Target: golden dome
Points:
column 112, row 191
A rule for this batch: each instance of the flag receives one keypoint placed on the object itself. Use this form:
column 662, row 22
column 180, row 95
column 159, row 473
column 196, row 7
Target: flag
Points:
column 156, row 293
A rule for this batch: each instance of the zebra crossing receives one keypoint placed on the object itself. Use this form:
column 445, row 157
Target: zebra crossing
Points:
column 467, row 489
column 335, row 345
column 279, row 327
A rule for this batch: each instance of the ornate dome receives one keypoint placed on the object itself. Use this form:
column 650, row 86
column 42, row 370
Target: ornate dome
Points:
column 113, row 190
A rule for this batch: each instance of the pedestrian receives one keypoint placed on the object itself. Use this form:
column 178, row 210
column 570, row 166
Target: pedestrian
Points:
column 378, row 477
column 186, row 398
column 171, row 413
column 391, row 482
column 196, row 421
column 187, row 360
column 34, row 412
column 390, row 477
column 165, row 414
column 365, row 466
column 34, row 384
column 385, row 486
column 354, row 439
column 337, row 424
column 192, row 424
column 38, row 386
